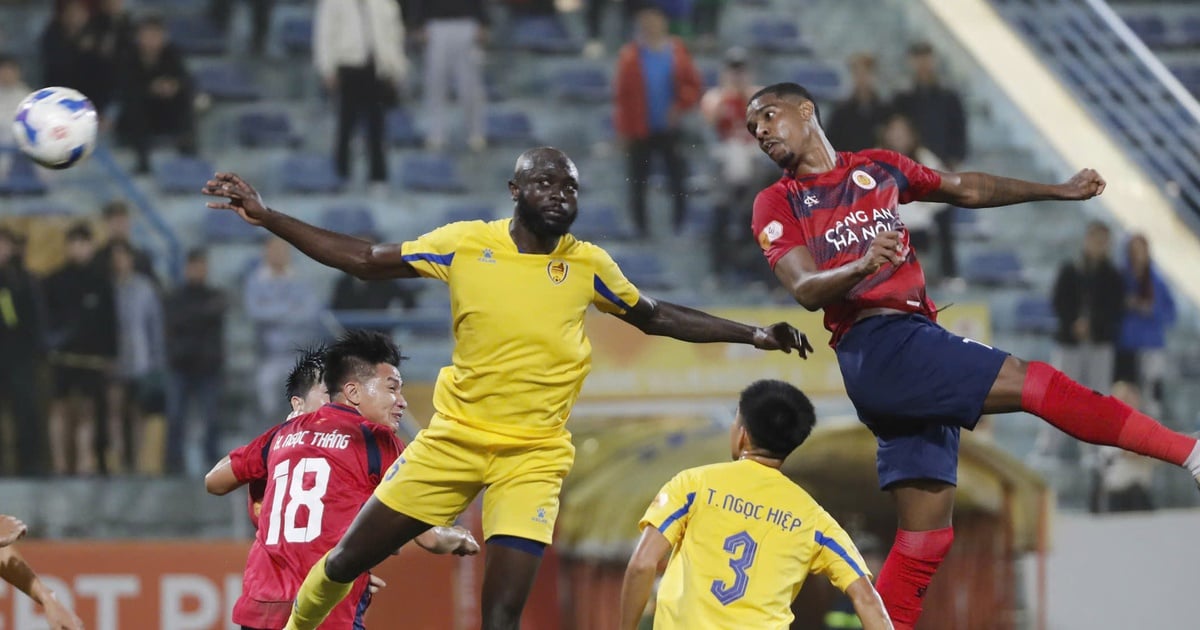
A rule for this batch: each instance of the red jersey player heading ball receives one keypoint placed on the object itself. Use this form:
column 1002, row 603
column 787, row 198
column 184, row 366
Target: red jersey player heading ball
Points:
column 831, row 230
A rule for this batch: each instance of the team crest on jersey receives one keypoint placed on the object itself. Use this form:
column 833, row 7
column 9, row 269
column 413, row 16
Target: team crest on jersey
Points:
column 863, row 180
column 557, row 270
column 810, row 201
column 770, row 234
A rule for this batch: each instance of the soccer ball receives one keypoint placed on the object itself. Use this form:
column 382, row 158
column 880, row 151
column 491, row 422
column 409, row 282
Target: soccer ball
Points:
column 56, row 127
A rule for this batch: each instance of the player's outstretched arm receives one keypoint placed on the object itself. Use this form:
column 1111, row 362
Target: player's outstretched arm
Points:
column 640, row 574
column 981, row 190
column 221, row 480
column 868, row 605
column 655, row 317
column 815, row 289
column 455, row 540
column 352, row 255
column 15, row 571
column 11, row 530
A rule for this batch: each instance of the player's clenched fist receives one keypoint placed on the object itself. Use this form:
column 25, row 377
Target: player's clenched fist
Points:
column 887, row 248
column 1085, row 184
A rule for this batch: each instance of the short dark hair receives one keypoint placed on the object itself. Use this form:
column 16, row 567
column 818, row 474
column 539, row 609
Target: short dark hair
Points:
column 115, row 208
column 790, row 89
column 79, row 232
column 355, row 355
column 307, row 372
column 777, row 415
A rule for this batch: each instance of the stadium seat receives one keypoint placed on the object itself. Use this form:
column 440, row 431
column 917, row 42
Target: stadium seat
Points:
column 295, row 35
column 310, row 174
column 197, row 36
column 226, row 82
column 644, row 270
column 44, row 209
column 432, row 173
column 227, row 227
column 543, row 34
column 266, row 129
column 777, row 34
column 402, row 129
column 1035, row 316
column 1000, row 268
column 1189, row 31
column 824, row 82
column 470, row 212
column 509, row 128
column 182, row 175
column 600, row 223
column 583, row 83
column 1151, row 29
column 356, row 219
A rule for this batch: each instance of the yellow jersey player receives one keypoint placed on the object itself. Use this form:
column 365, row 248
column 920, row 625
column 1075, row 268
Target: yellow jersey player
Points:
column 743, row 536
column 519, row 289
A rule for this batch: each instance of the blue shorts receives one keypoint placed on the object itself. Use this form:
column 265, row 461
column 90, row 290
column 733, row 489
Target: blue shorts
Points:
column 915, row 385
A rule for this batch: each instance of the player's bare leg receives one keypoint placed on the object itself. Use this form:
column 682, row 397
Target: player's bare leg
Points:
column 1087, row 415
column 924, row 508
column 507, row 580
column 61, row 444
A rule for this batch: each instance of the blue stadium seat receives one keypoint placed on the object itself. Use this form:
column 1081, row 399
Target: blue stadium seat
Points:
column 509, row 128
column 999, row 268
column 227, row 227
column 1035, row 316
column 22, row 179
column 543, row 34
column 226, row 82
column 583, row 83
column 355, row 220
column 182, row 175
column 1151, row 29
column 310, row 174
column 777, row 34
column 432, row 173
column 824, row 82
column 600, row 223
column 644, row 270
column 470, row 212
column 197, row 35
column 295, row 35
column 1189, row 31
column 402, row 129
column 266, row 129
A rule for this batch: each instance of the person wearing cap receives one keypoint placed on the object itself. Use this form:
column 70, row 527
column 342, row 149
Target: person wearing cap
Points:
column 935, row 109
column 855, row 123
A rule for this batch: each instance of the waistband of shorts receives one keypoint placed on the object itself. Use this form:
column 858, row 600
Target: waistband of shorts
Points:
column 508, row 430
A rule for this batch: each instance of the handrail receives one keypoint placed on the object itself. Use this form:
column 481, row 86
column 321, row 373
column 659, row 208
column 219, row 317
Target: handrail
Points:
column 133, row 193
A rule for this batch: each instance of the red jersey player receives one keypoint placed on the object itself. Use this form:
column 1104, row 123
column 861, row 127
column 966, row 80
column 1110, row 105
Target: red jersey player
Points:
column 322, row 467
column 831, row 231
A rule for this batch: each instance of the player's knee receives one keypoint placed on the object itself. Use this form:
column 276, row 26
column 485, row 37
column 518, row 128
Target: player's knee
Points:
column 503, row 615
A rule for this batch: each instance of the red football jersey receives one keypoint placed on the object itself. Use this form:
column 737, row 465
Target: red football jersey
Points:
column 320, row 469
column 836, row 215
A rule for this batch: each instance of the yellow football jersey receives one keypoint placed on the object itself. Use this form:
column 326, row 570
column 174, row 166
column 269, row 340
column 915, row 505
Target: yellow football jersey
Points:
column 520, row 352
column 745, row 538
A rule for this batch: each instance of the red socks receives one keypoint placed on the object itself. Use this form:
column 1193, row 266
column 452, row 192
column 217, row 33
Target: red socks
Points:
column 909, row 568
column 1087, row 415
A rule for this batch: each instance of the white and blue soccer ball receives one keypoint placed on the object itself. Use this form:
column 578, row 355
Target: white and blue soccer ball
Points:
column 56, row 127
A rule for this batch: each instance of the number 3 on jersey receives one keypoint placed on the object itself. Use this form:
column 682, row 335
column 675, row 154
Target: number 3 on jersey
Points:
column 298, row 496
column 743, row 548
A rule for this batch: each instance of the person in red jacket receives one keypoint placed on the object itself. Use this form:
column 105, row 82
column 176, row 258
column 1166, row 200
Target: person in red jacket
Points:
column 656, row 84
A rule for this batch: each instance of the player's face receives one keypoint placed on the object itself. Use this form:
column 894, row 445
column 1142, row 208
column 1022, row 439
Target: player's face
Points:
column 80, row 250
column 316, row 397
column 781, row 125
column 379, row 398
column 547, row 197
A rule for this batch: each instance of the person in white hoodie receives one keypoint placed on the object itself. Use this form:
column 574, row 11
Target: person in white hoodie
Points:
column 358, row 50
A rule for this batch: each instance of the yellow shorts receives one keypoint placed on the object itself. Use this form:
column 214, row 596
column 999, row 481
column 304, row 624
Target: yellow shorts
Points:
column 448, row 463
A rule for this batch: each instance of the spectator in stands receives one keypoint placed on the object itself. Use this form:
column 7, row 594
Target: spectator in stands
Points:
column 936, row 110
column 118, row 227
column 724, row 108
column 656, row 84
column 111, row 30
column 358, row 50
column 69, row 56
column 221, row 12
column 1125, row 479
column 12, row 91
column 352, row 294
column 1089, row 310
column 285, row 311
column 195, row 315
column 141, row 356
column 898, row 134
column 156, row 96
column 855, row 123
column 706, row 22
column 595, row 24
column 22, row 337
column 454, row 32
column 82, row 335
column 1149, row 312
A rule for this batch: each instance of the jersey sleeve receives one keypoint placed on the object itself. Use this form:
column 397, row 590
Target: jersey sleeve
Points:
column 249, row 461
column 776, row 228
column 672, row 508
column 432, row 253
column 915, row 180
column 614, row 293
column 836, row 557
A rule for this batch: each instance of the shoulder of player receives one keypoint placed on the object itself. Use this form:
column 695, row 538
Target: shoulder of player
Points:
column 873, row 155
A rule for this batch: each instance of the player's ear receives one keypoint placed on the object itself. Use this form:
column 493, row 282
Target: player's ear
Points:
column 513, row 189
column 297, row 404
column 808, row 109
column 353, row 392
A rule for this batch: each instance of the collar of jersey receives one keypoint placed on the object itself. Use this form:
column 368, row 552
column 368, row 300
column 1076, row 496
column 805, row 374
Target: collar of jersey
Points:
column 343, row 408
column 838, row 163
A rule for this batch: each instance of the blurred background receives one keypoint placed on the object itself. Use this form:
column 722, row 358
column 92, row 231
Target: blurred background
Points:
column 143, row 336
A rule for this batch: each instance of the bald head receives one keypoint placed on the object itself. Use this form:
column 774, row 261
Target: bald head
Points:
column 545, row 188
column 541, row 159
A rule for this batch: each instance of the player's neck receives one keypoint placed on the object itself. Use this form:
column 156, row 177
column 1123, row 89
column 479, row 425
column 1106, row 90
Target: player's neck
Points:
column 819, row 158
column 765, row 460
column 528, row 242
